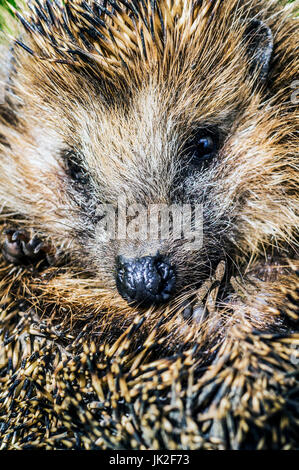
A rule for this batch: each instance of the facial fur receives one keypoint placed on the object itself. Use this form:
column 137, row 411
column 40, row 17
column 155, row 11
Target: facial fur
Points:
column 122, row 112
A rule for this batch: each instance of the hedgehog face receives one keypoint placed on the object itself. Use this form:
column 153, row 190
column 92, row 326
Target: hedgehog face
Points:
column 154, row 153
column 180, row 119
column 142, row 158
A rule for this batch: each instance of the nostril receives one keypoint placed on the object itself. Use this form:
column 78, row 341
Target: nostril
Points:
column 164, row 269
column 148, row 280
column 167, row 276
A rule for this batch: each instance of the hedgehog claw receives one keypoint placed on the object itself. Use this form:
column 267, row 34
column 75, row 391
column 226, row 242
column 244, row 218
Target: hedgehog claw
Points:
column 18, row 235
column 19, row 249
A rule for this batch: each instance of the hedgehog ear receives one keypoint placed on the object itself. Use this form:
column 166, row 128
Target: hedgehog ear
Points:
column 259, row 40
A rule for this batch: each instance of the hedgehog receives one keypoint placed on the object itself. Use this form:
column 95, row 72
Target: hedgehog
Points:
column 139, row 340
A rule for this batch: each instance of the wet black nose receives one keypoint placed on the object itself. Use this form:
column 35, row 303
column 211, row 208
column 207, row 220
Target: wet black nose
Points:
column 149, row 280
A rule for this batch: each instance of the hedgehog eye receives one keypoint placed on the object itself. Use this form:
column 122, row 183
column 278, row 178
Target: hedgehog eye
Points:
column 74, row 167
column 204, row 146
column 75, row 171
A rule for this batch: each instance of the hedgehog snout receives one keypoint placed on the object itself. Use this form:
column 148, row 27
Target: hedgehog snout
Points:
column 146, row 281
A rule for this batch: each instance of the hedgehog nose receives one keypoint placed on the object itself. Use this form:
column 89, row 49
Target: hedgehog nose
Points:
column 147, row 281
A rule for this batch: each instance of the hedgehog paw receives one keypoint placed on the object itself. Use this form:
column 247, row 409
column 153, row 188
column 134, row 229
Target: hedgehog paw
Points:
column 20, row 249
